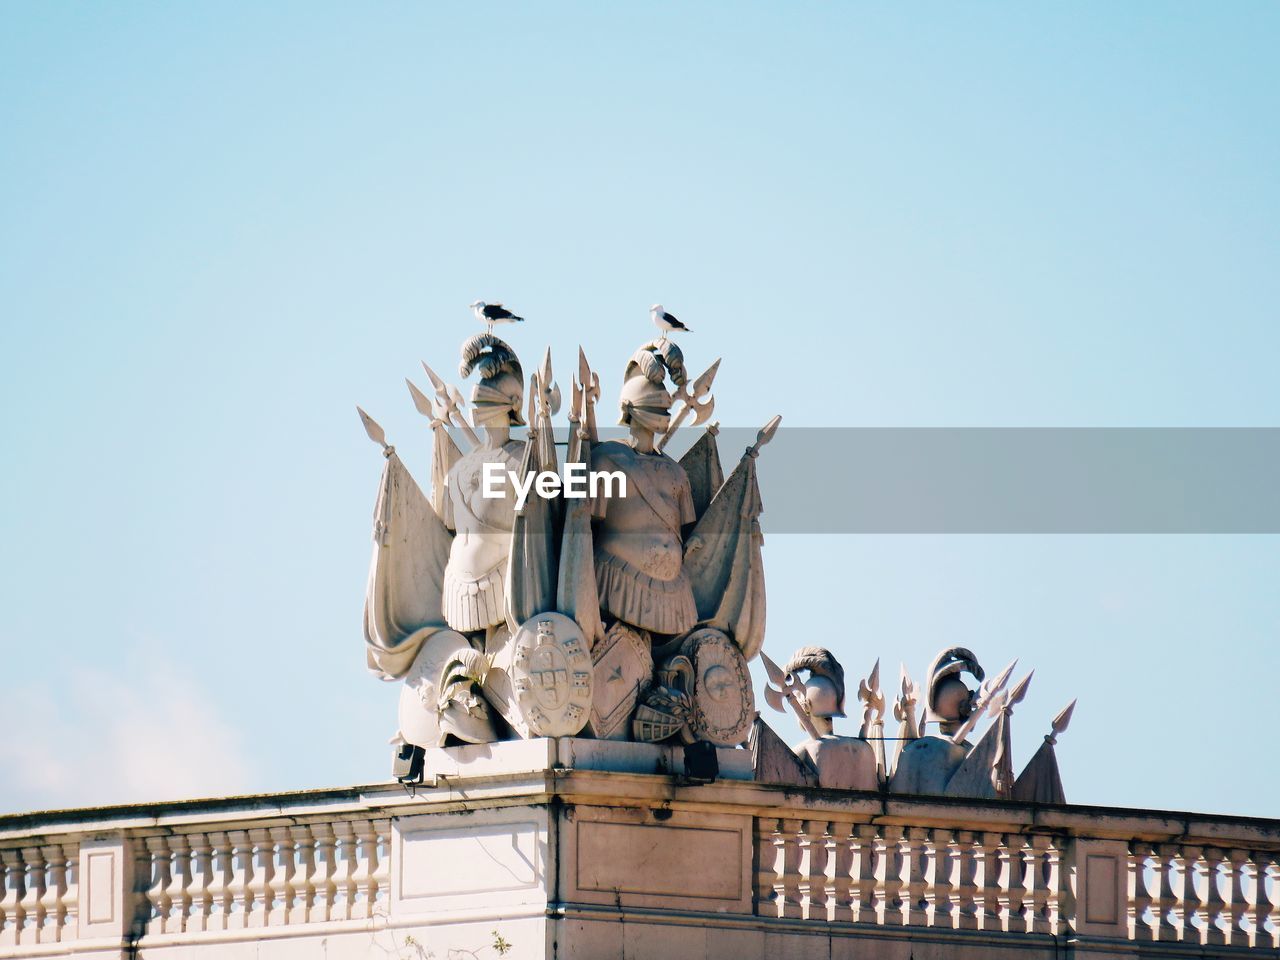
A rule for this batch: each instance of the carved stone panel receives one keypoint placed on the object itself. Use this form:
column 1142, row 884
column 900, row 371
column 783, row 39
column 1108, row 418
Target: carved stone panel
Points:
column 623, row 670
column 723, row 703
column 551, row 673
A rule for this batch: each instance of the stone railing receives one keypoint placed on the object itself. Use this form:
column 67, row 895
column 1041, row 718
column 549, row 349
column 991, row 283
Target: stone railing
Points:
column 583, row 845
column 916, row 876
column 893, row 875
column 1215, row 895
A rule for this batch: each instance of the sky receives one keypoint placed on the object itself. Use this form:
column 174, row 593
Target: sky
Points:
column 222, row 225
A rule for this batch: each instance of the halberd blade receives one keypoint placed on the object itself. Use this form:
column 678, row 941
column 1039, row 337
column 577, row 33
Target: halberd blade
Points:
column 774, row 698
column 775, row 672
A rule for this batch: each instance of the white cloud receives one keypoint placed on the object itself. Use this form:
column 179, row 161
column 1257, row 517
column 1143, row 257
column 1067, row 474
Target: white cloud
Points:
column 99, row 738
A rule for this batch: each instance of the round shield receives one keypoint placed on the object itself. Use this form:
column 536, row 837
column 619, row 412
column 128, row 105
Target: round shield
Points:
column 420, row 695
column 723, row 703
column 551, row 673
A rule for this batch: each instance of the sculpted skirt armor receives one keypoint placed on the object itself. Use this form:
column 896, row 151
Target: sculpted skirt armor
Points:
column 631, row 595
column 471, row 605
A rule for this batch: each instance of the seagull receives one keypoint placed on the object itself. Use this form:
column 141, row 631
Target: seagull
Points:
column 666, row 322
column 492, row 313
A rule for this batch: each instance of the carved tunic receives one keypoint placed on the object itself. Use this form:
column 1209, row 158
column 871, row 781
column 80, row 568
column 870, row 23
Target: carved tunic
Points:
column 474, row 578
column 639, row 549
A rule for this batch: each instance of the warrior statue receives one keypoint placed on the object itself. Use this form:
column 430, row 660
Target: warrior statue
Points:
column 843, row 763
column 474, row 598
column 639, row 538
column 927, row 764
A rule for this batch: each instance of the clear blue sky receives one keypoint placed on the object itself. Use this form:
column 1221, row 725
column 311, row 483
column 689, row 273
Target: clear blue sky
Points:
column 223, row 225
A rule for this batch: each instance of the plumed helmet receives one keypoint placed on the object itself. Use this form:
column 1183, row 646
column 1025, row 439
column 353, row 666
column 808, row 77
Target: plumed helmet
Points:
column 944, row 672
column 820, row 663
column 501, row 386
column 643, row 386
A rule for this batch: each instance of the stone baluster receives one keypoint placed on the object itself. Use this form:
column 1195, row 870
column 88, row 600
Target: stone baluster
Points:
column 1038, row 875
column 1057, row 886
column 220, row 896
column 1188, row 859
column 1237, row 927
column 992, row 883
column 919, row 867
column 179, row 885
column 942, row 910
column 324, row 877
column 1140, row 893
column 888, row 847
column 157, row 890
column 11, row 913
column 839, row 877
column 305, row 882
column 966, row 884
column 1214, row 904
column 31, row 894
column 382, row 870
column 55, row 888
column 1265, row 907
column 261, row 899
column 1013, row 891
column 240, row 886
column 1163, row 907
column 368, row 846
column 350, row 861
column 865, row 907
column 284, row 911
column 198, row 898
column 813, row 870
column 71, row 892
column 791, row 906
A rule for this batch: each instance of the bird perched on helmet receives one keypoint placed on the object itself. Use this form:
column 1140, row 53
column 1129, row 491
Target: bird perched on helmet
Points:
column 492, row 313
column 666, row 322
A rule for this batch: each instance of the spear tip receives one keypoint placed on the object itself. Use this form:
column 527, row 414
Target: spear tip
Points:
column 372, row 428
column 1061, row 721
column 420, row 400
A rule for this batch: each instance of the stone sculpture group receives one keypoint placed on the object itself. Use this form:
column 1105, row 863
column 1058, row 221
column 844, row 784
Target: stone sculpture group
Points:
column 629, row 613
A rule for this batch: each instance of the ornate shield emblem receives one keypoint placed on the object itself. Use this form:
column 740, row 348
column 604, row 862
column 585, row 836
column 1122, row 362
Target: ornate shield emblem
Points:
column 420, row 695
column 551, row 673
column 723, row 704
column 623, row 671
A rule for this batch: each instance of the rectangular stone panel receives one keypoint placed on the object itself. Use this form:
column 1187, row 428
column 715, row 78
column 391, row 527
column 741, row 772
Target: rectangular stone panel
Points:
column 472, row 861
column 1103, row 887
column 659, row 858
column 105, row 874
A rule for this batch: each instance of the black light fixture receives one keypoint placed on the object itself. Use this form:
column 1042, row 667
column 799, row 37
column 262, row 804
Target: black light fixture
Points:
column 701, row 765
column 407, row 767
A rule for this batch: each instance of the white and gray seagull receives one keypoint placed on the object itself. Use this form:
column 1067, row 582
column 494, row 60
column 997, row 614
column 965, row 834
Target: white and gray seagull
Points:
column 492, row 313
column 666, row 322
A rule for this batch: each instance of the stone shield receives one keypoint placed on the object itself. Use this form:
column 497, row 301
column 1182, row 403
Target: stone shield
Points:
column 551, row 674
column 623, row 671
column 723, row 703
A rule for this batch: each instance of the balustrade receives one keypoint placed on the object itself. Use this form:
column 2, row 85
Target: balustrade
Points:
column 984, row 874
column 1204, row 895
